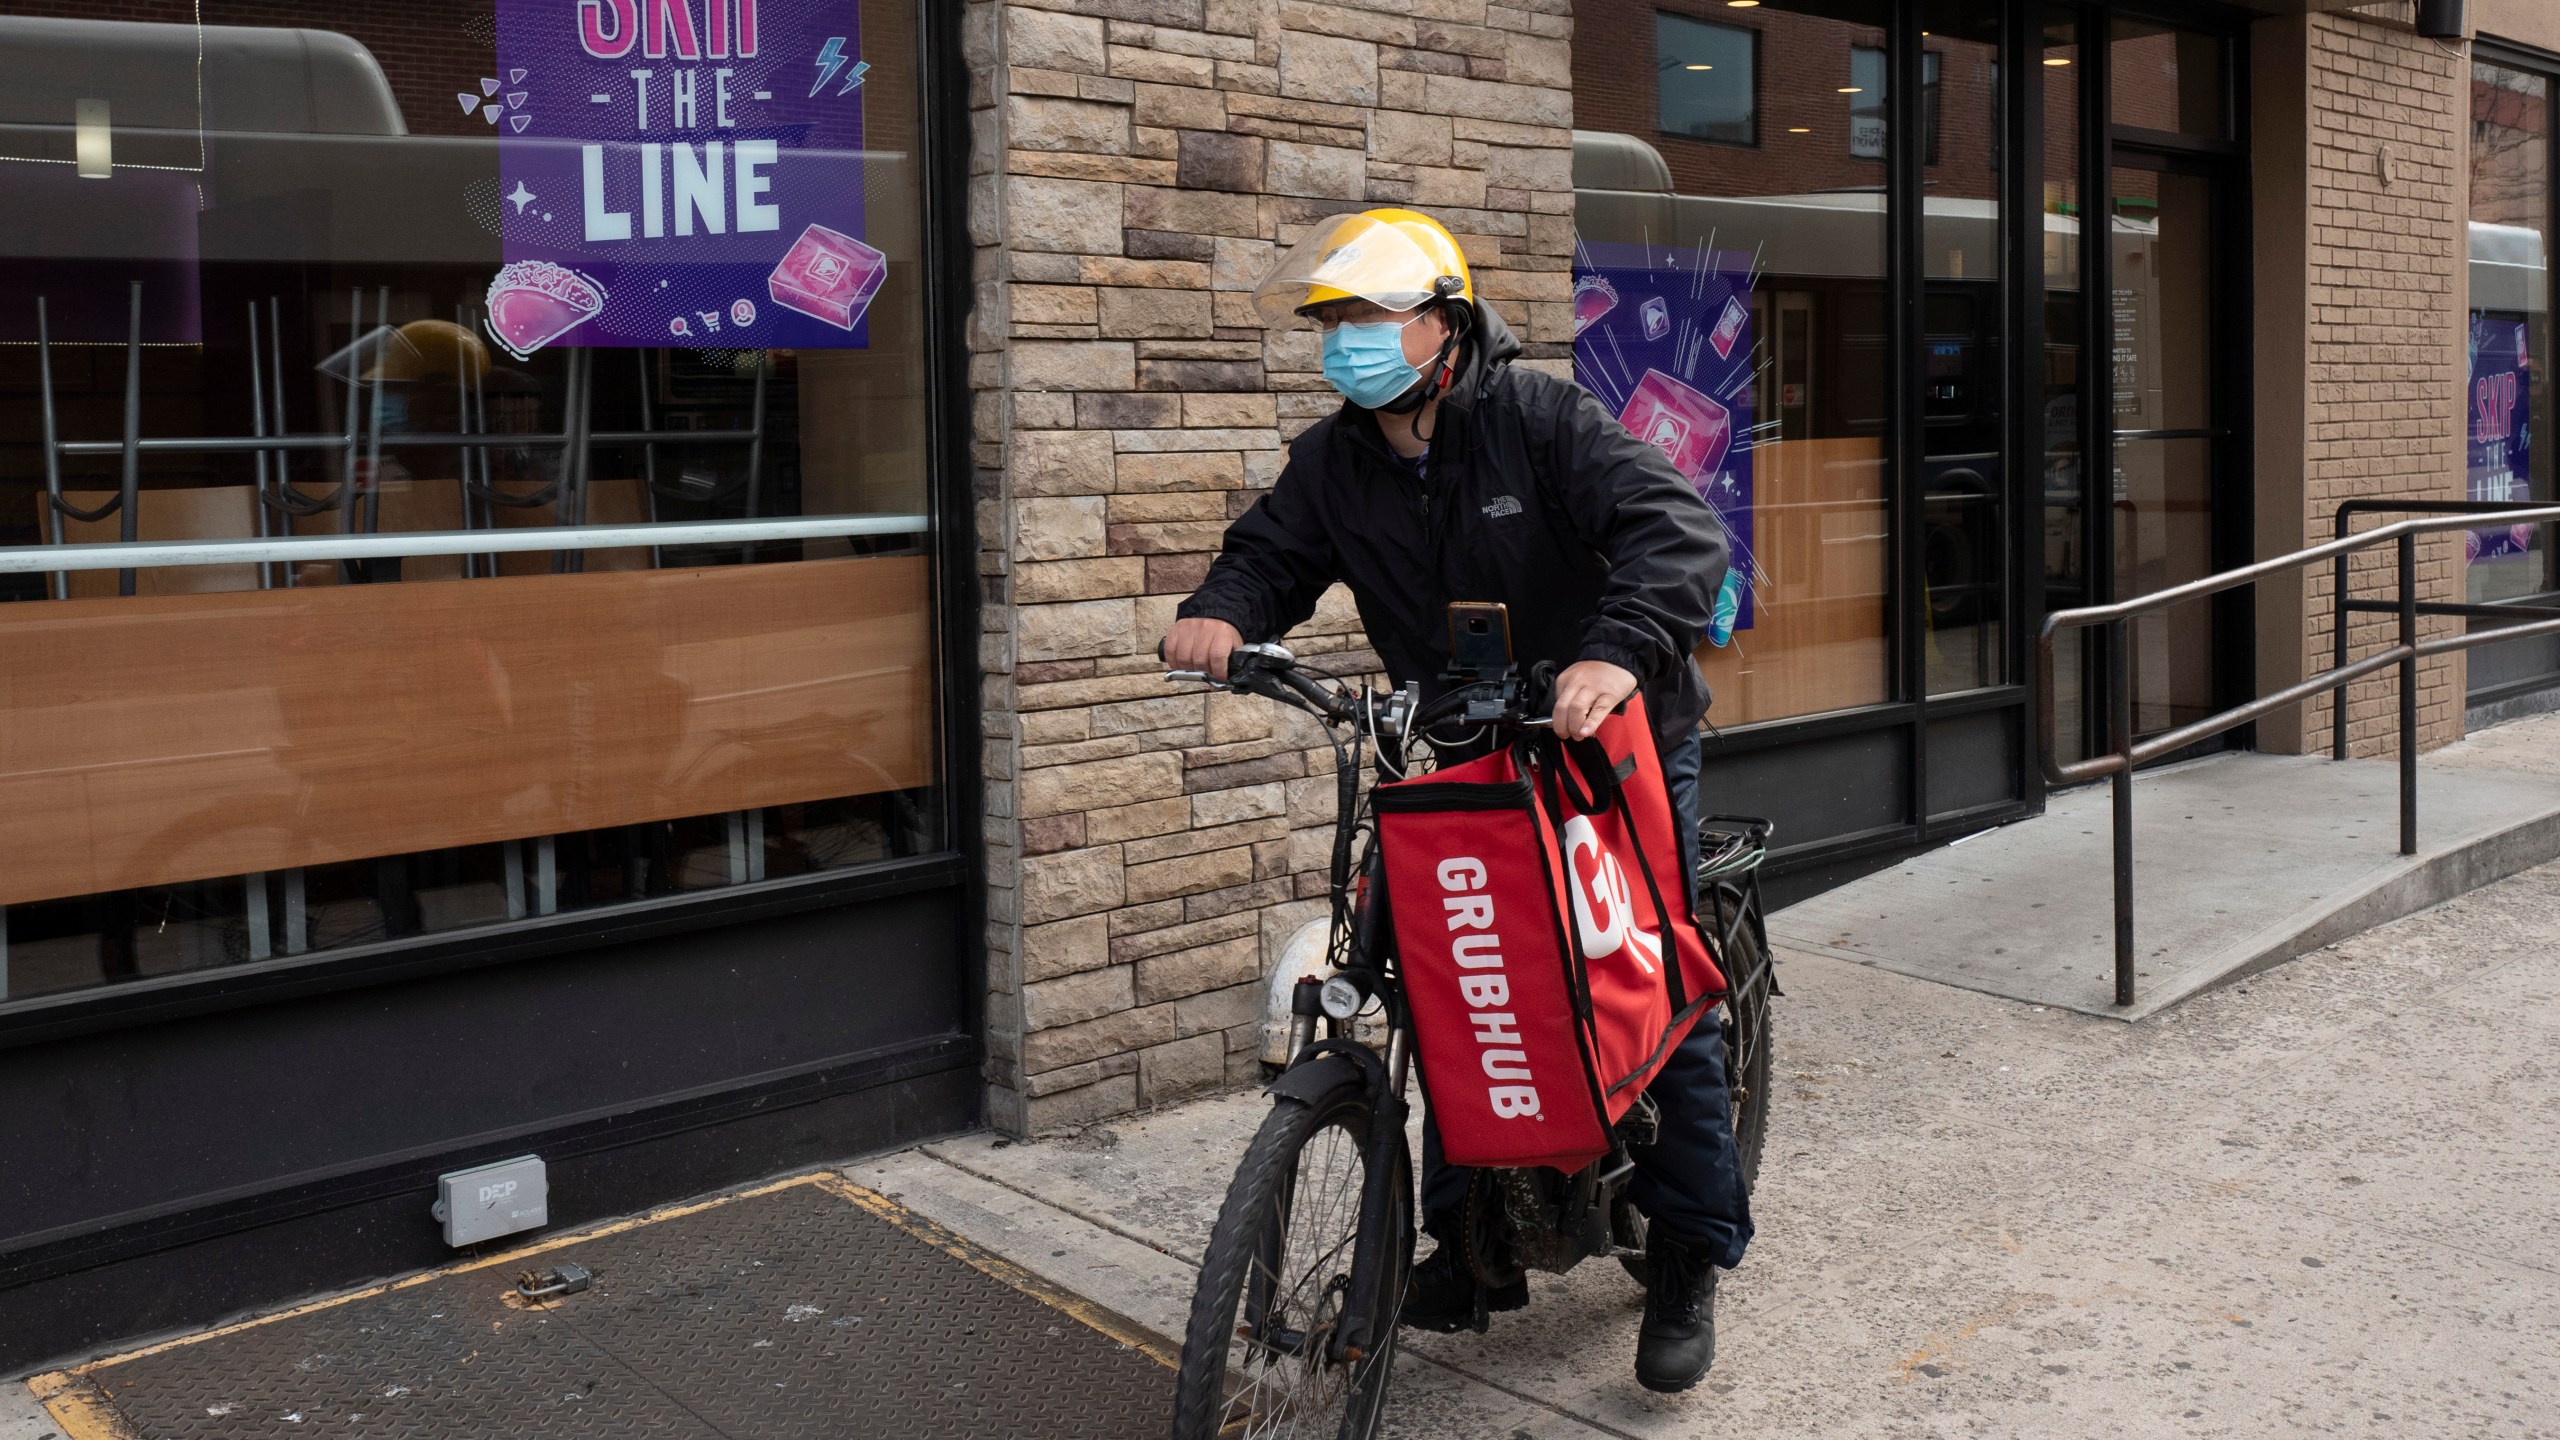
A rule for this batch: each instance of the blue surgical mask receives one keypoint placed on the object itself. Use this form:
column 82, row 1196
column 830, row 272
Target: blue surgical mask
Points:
column 1366, row 363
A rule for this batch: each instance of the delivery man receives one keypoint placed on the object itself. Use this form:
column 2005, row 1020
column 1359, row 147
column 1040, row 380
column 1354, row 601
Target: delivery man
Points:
column 1451, row 474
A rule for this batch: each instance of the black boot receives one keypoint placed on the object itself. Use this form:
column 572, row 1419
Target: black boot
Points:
column 1442, row 1294
column 1678, row 1342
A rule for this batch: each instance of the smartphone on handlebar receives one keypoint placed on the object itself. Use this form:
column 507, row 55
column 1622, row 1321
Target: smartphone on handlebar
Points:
column 1479, row 638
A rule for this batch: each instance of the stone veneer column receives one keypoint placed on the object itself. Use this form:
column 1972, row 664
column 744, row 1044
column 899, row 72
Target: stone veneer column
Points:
column 1135, row 166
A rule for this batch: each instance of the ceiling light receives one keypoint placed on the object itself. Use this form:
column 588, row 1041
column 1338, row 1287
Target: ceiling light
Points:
column 93, row 145
column 2057, row 60
column 1741, row 4
column 1799, row 129
column 1853, row 89
column 1697, row 67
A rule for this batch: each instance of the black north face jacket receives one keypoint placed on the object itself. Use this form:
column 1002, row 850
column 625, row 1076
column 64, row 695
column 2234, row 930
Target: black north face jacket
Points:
column 1534, row 496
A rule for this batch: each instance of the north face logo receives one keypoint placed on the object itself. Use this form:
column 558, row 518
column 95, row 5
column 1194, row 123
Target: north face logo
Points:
column 1502, row 505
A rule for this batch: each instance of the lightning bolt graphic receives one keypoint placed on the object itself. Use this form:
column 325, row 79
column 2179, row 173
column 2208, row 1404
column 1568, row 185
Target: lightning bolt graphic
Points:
column 830, row 60
column 854, row 76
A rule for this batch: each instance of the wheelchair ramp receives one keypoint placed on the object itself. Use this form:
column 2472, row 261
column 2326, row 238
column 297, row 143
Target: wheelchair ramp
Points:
column 808, row 1308
column 2239, row 862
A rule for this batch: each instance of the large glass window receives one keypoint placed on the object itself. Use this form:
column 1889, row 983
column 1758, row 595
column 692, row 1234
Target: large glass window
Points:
column 1964, row 568
column 2508, row 400
column 520, row 265
column 1750, row 339
column 1707, row 79
column 2066, row 501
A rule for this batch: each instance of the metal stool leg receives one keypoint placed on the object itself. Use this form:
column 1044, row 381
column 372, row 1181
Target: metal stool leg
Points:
column 297, row 914
column 262, row 940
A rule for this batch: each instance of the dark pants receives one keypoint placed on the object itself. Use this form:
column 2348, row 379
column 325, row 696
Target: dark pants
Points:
column 1689, row 1181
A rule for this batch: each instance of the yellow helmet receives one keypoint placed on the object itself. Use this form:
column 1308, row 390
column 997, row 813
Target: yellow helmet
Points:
column 1399, row 259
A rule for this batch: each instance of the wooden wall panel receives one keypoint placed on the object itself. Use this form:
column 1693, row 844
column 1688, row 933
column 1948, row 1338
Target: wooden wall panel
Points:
column 149, row 741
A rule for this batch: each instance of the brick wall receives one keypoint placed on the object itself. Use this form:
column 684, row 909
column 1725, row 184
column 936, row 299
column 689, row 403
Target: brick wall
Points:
column 2386, row 164
column 1135, row 165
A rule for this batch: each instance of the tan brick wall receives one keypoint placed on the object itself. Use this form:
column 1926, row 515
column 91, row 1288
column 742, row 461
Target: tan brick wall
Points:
column 1135, row 164
column 2371, row 405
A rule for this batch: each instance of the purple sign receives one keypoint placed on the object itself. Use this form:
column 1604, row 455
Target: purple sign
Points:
column 1663, row 337
column 679, row 172
column 2501, row 448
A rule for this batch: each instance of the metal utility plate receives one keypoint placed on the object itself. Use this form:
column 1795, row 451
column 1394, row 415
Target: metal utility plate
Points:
column 808, row 1308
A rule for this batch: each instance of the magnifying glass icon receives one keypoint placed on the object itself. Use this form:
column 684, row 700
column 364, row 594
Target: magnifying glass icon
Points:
column 680, row 326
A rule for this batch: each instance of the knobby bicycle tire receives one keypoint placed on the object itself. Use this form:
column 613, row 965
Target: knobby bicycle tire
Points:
column 1265, row 1191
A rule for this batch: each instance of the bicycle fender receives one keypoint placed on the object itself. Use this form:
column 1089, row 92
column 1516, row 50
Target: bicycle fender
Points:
column 1323, row 1069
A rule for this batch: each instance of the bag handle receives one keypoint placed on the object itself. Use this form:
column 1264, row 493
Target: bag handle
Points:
column 1590, row 778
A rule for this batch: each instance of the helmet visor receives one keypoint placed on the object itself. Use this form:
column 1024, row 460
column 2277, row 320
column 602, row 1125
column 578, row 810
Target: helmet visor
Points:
column 1347, row 257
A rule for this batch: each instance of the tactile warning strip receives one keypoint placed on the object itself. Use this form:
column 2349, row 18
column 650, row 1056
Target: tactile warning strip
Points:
column 808, row 1308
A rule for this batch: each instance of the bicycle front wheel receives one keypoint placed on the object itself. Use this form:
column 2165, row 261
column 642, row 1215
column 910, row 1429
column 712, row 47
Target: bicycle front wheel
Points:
column 1276, row 1285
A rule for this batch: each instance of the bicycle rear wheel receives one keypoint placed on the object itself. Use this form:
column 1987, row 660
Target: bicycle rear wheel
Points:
column 1746, row 1026
column 1277, row 1279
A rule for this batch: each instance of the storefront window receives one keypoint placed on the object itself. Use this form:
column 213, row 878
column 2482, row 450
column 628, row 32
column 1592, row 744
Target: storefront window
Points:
column 1964, row 553
column 535, row 263
column 2509, row 396
column 1729, row 304
column 2066, row 558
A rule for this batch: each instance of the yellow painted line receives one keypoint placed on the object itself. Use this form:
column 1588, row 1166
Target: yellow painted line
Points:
column 1111, row 1324
column 78, row 1403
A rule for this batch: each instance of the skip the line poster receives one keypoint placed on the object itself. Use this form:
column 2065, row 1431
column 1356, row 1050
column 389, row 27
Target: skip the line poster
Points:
column 1663, row 337
column 2501, row 448
column 679, row 172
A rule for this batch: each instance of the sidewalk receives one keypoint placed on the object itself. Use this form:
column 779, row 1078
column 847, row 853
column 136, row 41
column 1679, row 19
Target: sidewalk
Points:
column 2240, row 861
column 2319, row 1201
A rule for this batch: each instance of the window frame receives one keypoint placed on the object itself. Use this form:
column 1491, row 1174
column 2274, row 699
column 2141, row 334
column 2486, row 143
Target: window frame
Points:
column 951, row 545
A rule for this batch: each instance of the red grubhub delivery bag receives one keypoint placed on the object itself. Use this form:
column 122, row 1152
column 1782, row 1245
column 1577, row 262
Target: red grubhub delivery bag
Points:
column 1545, row 939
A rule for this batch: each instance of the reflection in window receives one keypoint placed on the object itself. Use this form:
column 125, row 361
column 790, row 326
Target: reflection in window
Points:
column 2164, row 78
column 2508, row 399
column 456, row 294
column 1870, row 86
column 1707, row 77
column 1750, row 341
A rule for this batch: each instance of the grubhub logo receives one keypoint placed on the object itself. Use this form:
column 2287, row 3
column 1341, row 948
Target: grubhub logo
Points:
column 1603, row 919
column 1477, row 948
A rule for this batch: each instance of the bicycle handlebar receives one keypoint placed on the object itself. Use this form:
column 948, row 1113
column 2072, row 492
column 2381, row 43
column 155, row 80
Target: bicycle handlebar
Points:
column 1272, row 672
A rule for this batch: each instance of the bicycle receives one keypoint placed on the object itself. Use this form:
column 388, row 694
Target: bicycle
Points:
column 1293, row 1326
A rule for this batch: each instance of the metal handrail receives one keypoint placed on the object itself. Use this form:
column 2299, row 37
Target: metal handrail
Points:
column 2124, row 754
column 151, row 554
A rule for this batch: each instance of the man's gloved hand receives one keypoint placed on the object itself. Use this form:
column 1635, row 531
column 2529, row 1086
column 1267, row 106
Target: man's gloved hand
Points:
column 1585, row 694
column 1203, row 644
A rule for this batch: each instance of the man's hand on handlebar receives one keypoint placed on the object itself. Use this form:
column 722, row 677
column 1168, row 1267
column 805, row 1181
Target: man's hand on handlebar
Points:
column 1585, row 694
column 1201, row 644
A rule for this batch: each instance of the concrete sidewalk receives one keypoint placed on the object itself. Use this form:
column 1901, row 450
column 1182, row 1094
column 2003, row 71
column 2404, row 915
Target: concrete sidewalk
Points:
column 2320, row 1201
column 2240, row 861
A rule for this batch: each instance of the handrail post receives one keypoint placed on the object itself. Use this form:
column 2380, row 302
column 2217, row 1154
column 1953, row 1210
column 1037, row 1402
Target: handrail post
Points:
column 2408, row 548
column 2120, row 739
column 2338, row 649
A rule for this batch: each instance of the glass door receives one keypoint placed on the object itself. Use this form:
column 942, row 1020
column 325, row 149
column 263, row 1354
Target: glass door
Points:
column 2164, row 345
column 2145, row 459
